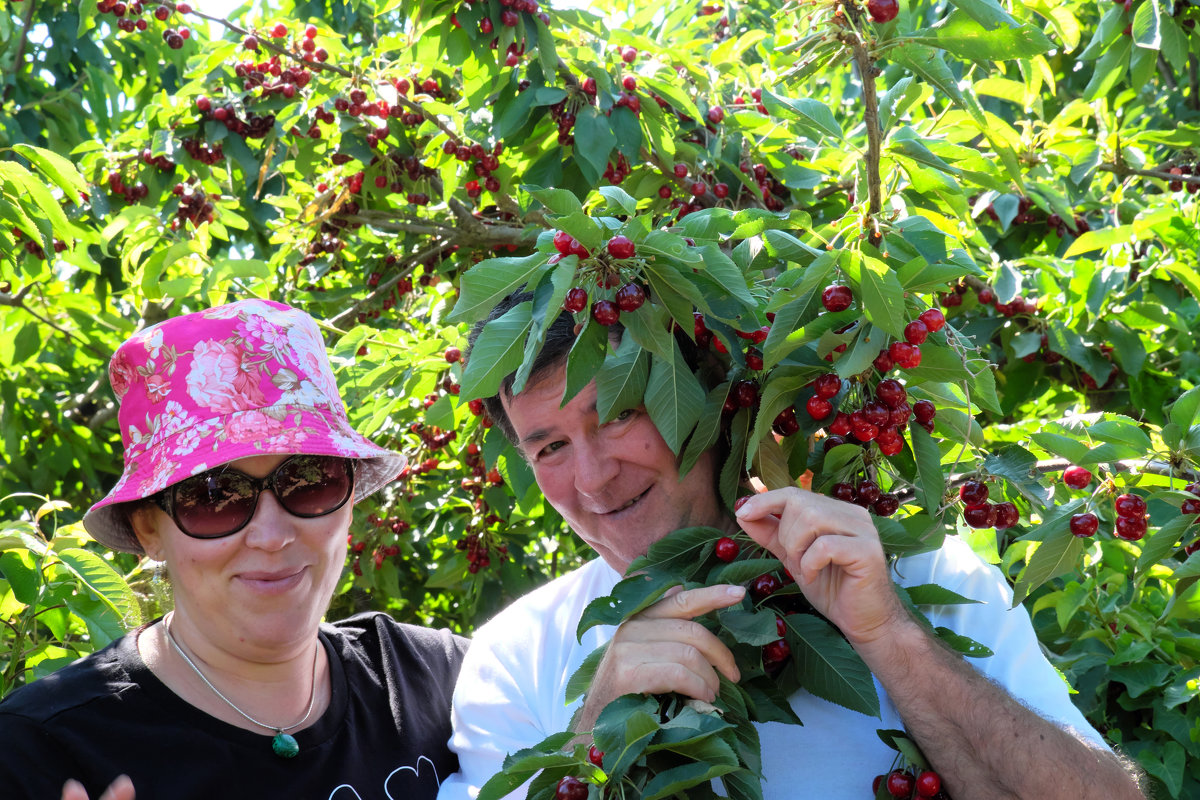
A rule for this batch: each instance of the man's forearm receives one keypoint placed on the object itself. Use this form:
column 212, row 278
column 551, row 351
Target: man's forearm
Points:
column 983, row 742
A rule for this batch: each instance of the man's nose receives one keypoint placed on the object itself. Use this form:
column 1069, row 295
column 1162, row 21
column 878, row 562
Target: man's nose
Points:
column 596, row 465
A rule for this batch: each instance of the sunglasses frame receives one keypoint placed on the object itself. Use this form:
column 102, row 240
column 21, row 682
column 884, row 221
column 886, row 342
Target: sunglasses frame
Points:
column 166, row 498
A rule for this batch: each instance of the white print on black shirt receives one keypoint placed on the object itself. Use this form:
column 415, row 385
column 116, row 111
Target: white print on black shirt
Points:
column 403, row 782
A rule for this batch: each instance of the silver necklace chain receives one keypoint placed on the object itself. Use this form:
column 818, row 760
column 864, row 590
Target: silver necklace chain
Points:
column 312, row 697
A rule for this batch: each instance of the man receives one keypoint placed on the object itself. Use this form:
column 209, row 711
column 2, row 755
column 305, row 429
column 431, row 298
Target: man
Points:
column 618, row 485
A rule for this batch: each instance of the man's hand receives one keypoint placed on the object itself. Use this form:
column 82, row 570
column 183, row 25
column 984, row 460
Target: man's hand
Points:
column 663, row 650
column 833, row 551
column 120, row 789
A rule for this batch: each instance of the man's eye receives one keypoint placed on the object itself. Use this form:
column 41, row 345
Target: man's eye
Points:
column 626, row 414
column 550, row 448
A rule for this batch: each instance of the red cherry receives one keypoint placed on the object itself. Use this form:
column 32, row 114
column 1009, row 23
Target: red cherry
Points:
column 605, row 312
column 571, row 788
column 916, row 332
column 898, row 418
column 875, row 413
column 866, row 493
column 745, row 393
column 1083, row 525
column 929, row 783
column 279, row 31
column 596, row 756
column 721, row 190
column 1006, row 515
column 754, row 359
column 1076, row 477
column 775, row 653
column 890, row 442
column 716, row 114
column 1130, row 505
column 727, row 549
column 899, row 782
column 883, row 362
column 563, row 242
column 843, row 491
column 827, row 385
column 203, row 104
column 621, row 247
column 698, row 188
column 837, row 298
column 818, row 407
column 883, row 10
column 973, row 494
column 1190, row 506
column 983, row 516
column 250, row 43
column 576, row 300
column 629, row 55
column 934, row 319
column 453, row 354
column 764, row 586
column 891, row 392
column 785, row 424
column 1131, row 528
column 630, row 297
column 886, row 505
column 841, row 425
column 924, row 411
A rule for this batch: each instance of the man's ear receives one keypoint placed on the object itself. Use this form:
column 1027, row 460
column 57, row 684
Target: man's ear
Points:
column 143, row 520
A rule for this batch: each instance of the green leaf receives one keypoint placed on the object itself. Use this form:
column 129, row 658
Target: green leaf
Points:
column 988, row 13
column 749, row 627
column 963, row 644
column 931, row 483
column 674, row 399
column 930, row 594
column 19, row 569
column 58, row 169
column 675, row 780
column 484, row 285
column 497, row 353
column 1147, row 25
column 618, row 199
column 742, row 570
column 1058, row 553
column 627, row 598
column 828, row 665
column 1183, row 411
column 586, row 357
column 594, row 139
column 1158, row 544
column 104, row 582
column 1102, row 239
column 621, row 382
column 967, row 38
column 811, row 114
column 883, row 296
column 560, row 201
column 581, row 679
column 624, row 729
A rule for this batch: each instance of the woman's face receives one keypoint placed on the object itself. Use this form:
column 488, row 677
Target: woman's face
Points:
column 260, row 592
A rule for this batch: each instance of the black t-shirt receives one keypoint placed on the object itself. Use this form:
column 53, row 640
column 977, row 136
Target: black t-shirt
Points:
column 383, row 736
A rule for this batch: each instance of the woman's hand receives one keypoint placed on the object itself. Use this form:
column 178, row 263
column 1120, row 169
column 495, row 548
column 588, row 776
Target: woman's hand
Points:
column 120, row 789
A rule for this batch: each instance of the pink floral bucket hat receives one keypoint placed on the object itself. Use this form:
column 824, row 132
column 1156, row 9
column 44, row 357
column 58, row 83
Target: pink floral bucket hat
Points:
column 203, row 389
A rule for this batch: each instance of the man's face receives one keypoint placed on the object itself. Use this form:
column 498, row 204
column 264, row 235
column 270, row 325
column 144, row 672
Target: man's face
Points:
column 617, row 484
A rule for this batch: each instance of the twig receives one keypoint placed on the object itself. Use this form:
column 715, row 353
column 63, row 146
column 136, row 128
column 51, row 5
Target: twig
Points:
column 18, row 301
column 386, row 286
column 265, row 42
column 1122, row 171
column 19, row 55
column 867, row 73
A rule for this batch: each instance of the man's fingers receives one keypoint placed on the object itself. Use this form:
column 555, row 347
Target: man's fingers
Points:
column 694, row 602
column 120, row 789
column 73, row 790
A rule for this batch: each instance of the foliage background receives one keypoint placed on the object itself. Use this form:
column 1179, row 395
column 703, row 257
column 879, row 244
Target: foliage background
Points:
column 1025, row 149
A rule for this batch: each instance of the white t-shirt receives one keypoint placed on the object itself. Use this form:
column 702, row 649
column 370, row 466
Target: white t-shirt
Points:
column 510, row 692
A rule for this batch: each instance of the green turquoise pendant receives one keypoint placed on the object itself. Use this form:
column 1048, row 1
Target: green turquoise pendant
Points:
column 285, row 745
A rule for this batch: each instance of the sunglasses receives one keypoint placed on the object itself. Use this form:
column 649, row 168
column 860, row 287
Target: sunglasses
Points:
column 222, row 501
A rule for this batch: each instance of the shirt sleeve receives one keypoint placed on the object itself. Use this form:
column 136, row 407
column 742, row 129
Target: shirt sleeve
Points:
column 1018, row 663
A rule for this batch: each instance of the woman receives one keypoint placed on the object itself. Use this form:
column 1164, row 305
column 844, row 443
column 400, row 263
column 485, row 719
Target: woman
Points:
column 240, row 475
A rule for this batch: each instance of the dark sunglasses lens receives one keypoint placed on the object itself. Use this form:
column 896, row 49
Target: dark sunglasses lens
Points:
column 214, row 504
column 311, row 486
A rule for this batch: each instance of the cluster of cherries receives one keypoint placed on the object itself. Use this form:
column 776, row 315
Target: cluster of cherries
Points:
column 305, row 47
column 1184, row 170
column 483, row 163
column 130, row 18
column 1026, row 215
column 202, row 151
column 1130, row 509
column 34, row 249
column 194, row 205
column 118, row 188
column 628, row 297
column 907, row 784
column 979, row 513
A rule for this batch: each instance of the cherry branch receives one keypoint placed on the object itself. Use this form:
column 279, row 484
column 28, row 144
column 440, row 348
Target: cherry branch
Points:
column 867, row 72
column 266, row 43
column 385, row 286
column 1122, row 171
column 19, row 55
column 18, row 301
